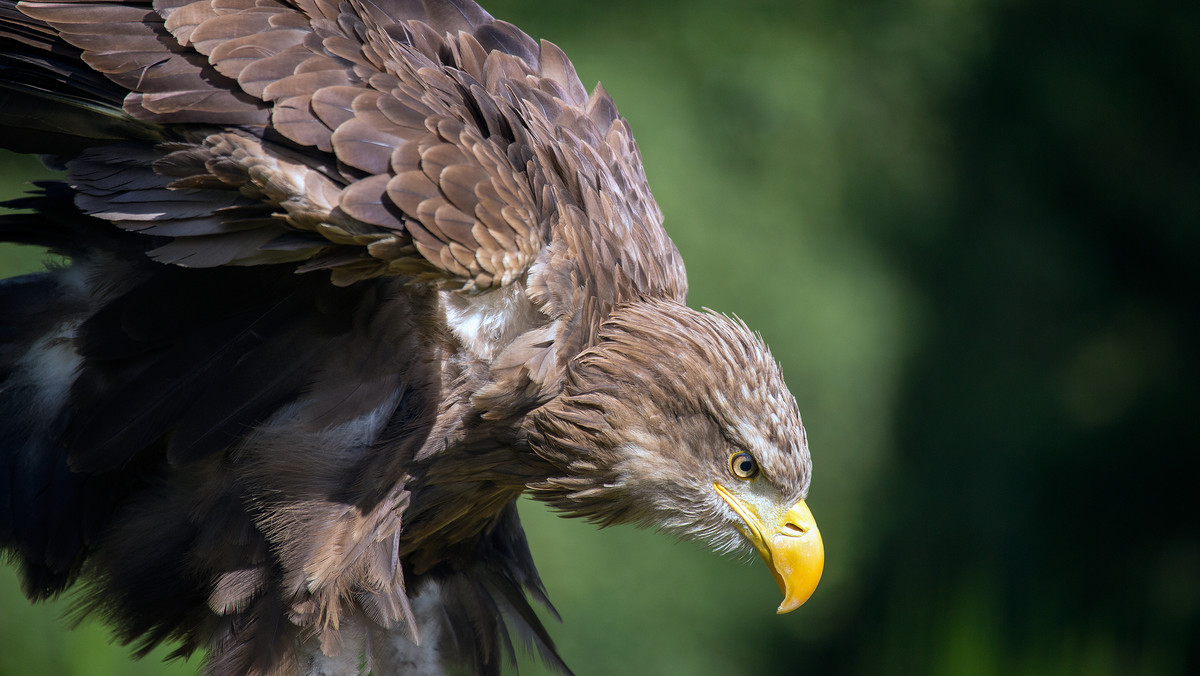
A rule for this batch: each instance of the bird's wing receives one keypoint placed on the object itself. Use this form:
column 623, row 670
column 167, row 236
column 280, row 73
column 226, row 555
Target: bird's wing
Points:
column 406, row 137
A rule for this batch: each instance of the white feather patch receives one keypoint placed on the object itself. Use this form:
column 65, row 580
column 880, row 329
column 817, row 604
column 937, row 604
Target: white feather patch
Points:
column 486, row 323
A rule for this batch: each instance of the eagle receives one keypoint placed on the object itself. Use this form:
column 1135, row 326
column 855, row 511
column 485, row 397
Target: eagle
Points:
column 337, row 282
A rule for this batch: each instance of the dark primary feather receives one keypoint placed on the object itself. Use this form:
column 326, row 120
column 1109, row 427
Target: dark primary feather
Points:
column 339, row 277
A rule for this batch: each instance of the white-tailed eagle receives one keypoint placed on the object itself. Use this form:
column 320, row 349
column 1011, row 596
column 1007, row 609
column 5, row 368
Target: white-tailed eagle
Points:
column 345, row 278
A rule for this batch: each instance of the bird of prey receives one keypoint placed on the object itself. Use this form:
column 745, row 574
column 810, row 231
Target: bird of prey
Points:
column 342, row 280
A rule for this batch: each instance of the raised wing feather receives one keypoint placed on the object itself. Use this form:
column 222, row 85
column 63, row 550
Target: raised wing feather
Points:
column 409, row 138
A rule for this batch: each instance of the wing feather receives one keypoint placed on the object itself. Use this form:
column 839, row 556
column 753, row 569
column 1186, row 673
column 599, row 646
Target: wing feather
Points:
column 469, row 119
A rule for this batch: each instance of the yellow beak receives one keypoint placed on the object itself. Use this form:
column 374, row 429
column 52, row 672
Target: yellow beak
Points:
column 788, row 541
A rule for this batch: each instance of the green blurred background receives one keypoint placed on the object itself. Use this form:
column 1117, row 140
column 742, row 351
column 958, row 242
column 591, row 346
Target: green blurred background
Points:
column 969, row 232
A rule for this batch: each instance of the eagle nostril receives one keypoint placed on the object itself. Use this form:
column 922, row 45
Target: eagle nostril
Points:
column 793, row 530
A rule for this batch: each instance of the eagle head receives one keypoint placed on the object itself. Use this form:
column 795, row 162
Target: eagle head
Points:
column 680, row 421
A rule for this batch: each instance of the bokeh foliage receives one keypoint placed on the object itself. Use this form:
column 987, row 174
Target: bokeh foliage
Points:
column 969, row 232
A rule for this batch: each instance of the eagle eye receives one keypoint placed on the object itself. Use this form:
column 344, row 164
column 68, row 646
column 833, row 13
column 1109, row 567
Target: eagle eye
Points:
column 743, row 465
